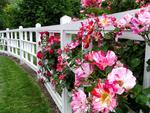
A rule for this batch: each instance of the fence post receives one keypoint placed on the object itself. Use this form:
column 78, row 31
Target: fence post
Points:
column 146, row 79
column 65, row 38
column 3, row 42
column 21, row 43
column 38, row 25
column 8, row 41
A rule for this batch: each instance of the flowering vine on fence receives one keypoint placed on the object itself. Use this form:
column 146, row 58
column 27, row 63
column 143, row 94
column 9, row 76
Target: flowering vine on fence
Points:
column 139, row 23
column 98, row 7
column 95, row 76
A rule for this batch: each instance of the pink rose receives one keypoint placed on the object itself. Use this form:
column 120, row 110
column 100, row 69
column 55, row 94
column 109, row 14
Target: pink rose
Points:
column 124, row 79
column 104, row 99
column 83, row 72
column 101, row 59
column 79, row 102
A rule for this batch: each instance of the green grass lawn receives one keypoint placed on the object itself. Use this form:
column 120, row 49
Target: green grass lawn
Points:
column 19, row 93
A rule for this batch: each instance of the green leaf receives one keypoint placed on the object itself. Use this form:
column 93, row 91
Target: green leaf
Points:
column 136, row 91
column 105, row 48
column 70, row 79
column 142, row 99
column 130, row 43
column 108, row 70
column 148, row 68
column 135, row 48
column 148, row 62
column 122, row 108
column 89, row 89
column 108, row 35
column 146, row 91
column 135, row 62
column 118, row 110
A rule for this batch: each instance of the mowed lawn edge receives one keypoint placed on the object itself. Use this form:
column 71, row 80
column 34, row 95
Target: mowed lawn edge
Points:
column 19, row 93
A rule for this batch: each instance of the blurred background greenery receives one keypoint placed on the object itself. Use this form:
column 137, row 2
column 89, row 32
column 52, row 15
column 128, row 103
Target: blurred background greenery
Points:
column 27, row 13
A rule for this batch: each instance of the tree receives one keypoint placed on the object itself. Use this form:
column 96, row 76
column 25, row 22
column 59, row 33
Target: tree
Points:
column 46, row 12
column 2, row 4
column 2, row 15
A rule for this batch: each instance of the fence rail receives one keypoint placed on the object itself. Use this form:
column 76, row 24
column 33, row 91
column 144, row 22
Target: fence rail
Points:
column 22, row 43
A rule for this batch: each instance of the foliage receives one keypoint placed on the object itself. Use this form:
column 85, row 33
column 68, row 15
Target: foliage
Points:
column 29, row 12
column 2, row 15
column 139, row 98
column 51, row 63
column 2, row 4
column 47, row 12
column 11, row 12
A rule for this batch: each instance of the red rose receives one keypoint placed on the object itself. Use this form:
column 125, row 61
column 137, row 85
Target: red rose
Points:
column 59, row 51
column 40, row 63
column 46, row 32
column 51, row 51
column 61, row 77
column 41, row 35
column 39, row 43
column 41, row 80
column 39, row 55
column 39, row 71
column 48, row 74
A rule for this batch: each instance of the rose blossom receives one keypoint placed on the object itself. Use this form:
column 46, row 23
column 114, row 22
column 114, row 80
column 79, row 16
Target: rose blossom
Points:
column 105, row 21
column 40, row 55
column 89, row 3
column 124, row 21
column 124, row 79
column 48, row 74
column 40, row 63
column 59, row 51
column 59, row 64
column 144, row 16
column 73, row 45
column 51, row 51
column 79, row 102
column 78, row 61
column 135, row 23
column 104, row 99
column 61, row 77
column 83, row 72
column 141, row 21
column 101, row 59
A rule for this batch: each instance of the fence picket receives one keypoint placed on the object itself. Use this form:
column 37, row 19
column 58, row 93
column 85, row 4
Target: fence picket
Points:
column 146, row 79
column 21, row 44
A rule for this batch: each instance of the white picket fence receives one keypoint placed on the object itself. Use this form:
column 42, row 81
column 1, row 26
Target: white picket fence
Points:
column 22, row 43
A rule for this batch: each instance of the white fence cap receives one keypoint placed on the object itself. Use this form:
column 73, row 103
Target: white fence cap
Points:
column 65, row 19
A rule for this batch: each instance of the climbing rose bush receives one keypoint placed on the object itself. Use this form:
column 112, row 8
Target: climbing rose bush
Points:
column 50, row 50
column 109, row 79
column 94, row 70
column 139, row 23
column 95, row 75
column 98, row 73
